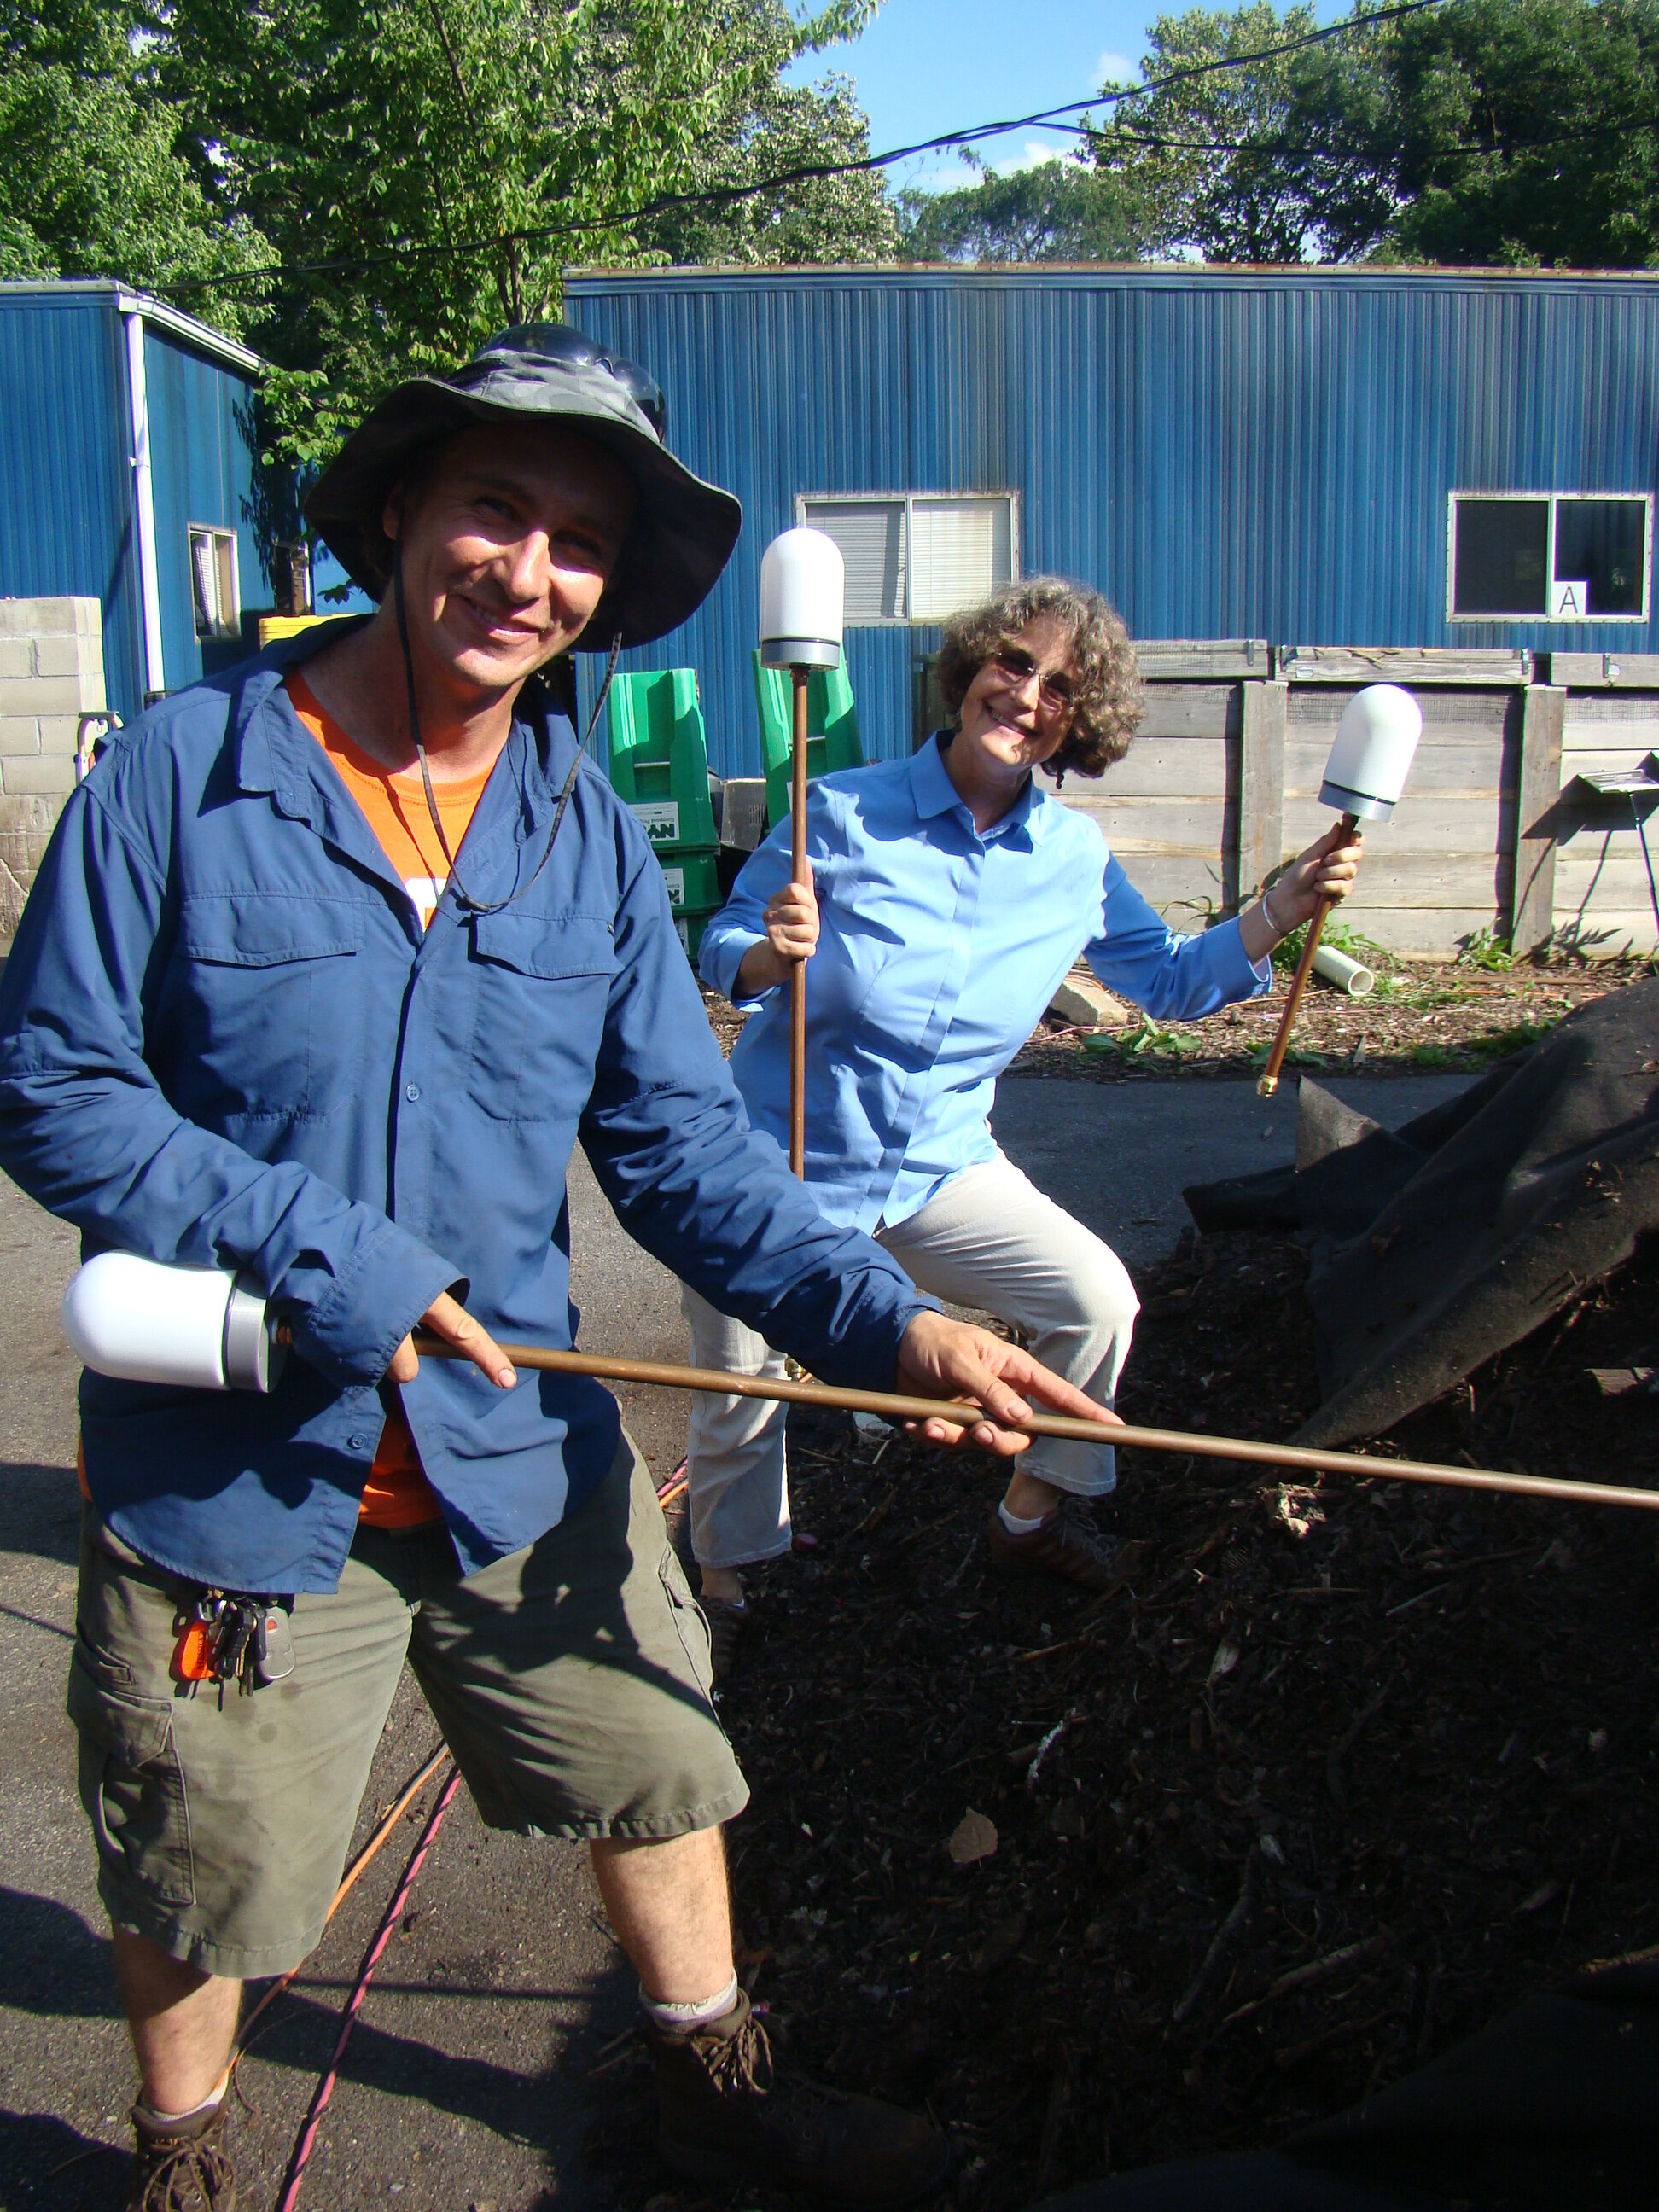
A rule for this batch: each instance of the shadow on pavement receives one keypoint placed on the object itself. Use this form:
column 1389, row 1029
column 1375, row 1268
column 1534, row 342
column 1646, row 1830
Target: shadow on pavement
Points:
column 43, row 1511
column 50, row 1963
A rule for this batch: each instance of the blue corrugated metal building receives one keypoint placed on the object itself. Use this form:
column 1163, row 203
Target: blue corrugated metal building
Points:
column 1310, row 457
column 126, row 475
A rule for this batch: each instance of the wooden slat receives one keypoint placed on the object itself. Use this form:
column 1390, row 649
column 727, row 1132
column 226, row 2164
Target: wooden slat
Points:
column 1421, row 933
column 1611, row 718
column 1605, row 671
column 1407, row 665
column 1437, row 879
column 1445, row 713
column 1189, row 710
column 1530, row 822
column 1472, row 770
column 1261, row 785
column 1474, row 827
column 1220, row 656
column 1196, row 823
column 1165, row 766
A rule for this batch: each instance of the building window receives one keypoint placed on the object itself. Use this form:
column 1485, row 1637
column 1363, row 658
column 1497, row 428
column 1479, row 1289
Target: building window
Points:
column 1549, row 556
column 213, row 585
column 918, row 557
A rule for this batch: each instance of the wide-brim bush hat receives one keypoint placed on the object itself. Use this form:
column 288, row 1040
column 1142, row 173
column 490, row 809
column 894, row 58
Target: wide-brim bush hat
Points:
column 682, row 529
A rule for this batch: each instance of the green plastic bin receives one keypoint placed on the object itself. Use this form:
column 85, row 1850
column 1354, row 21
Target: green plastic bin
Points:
column 832, row 728
column 693, row 881
column 658, row 757
column 691, row 923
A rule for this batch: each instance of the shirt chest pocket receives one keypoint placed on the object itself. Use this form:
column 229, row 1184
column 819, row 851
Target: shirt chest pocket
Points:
column 542, row 983
column 259, row 1012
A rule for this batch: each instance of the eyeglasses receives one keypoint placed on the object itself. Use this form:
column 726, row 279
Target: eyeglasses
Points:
column 1057, row 695
column 559, row 341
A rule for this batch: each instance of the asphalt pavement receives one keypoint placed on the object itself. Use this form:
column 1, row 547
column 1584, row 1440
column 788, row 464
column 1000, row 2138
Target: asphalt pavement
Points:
column 465, row 2084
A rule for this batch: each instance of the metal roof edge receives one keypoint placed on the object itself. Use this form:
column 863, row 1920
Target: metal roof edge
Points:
column 1224, row 272
column 127, row 300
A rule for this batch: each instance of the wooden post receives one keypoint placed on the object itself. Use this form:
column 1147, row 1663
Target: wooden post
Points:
column 1261, row 785
column 1269, row 1078
column 1532, row 902
column 798, row 981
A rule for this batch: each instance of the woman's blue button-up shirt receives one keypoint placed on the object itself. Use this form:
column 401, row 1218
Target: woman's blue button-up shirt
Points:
column 939, row 950
column 225, row 1041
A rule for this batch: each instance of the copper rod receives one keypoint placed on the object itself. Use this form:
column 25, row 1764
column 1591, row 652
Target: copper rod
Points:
column 1269, row 1082
column 893, row 1406
column 798, row 977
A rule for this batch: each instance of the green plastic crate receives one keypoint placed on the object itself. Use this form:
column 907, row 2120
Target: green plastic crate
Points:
column 693, row 881
column 691, row 922
column 658, row 757
column 832, row 728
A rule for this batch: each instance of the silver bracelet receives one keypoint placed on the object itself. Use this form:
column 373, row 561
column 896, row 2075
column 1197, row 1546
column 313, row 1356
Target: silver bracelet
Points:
column 1273, row 920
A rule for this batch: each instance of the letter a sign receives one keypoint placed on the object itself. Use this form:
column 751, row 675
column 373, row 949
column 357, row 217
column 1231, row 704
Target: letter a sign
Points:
column 1570, row 599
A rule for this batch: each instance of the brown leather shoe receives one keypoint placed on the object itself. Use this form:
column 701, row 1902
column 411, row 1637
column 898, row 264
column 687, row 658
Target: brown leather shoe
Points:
column 1063, row 1543
column 727, row 1623
column 182, row 2168
column 729, row 2113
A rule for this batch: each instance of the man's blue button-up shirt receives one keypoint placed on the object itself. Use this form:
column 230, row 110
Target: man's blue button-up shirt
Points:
column 225, row 1041
column 939, row 950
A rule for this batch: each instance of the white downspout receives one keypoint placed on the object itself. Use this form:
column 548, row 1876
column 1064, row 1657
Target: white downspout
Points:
column 143, row 501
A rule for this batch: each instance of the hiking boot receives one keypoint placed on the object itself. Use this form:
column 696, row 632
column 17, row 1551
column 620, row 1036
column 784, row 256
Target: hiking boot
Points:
column 181, row 2167
column 727, row 1623
column 1063, row 1543
column 730, row 2112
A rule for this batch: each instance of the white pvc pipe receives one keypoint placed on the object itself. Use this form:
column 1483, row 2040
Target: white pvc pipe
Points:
column 1350, row 976
column 143, row 502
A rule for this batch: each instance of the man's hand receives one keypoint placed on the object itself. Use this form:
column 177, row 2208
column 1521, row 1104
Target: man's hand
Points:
column 444, row 1318
column 942, row 1359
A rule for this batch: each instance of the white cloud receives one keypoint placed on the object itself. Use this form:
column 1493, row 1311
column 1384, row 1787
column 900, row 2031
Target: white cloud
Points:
column 1114, row 68
column 1031, row 156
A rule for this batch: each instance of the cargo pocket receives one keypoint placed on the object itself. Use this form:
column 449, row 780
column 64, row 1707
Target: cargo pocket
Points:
column 688, row 1623
column 542, row 986
column 131, row 1783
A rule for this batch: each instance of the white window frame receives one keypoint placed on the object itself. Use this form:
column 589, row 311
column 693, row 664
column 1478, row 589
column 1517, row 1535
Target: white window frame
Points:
column 220, row 535
column 1550, row 499
column 909, row 500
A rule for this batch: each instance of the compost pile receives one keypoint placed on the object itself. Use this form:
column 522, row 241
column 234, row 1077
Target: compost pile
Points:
column 1337, row 1774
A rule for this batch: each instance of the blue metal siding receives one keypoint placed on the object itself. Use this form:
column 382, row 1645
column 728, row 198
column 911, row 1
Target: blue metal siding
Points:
column 66, row 517
column 201, row 446
column 1224, row 455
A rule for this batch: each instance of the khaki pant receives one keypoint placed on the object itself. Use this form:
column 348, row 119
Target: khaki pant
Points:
column 571, row 1680
column 989, row 1240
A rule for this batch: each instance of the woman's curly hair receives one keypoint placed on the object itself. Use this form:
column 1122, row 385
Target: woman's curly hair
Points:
column 1108, row 697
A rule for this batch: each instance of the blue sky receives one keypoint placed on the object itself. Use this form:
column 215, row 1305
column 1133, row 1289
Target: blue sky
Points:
column 927, row 66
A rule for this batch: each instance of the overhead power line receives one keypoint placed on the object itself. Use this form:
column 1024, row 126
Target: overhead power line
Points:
column 405, row 250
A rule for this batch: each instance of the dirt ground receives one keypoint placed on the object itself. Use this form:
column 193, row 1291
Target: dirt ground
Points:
column 1339, row 1772
column 1460, row 1016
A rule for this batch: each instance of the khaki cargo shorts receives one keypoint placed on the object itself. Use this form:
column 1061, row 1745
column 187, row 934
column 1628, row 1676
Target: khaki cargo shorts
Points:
column 571, row 1680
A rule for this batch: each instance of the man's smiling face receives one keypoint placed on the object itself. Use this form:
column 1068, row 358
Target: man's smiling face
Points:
column 507, row 540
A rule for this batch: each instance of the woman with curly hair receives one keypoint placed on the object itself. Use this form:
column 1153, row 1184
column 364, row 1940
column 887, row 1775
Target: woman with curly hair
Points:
column 950, row 894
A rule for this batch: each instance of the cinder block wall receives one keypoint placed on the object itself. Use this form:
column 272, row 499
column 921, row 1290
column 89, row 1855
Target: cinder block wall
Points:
column 51, row 672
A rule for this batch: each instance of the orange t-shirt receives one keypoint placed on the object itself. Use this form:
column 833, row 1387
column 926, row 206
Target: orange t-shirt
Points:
column 396, row 1494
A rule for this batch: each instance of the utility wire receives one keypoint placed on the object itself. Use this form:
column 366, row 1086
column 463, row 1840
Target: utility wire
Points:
column 803, row 173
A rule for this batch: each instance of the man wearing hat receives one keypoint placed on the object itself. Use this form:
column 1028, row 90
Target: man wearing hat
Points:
column 331, row 962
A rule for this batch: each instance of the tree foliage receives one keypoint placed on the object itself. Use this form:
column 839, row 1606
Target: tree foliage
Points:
column 92, row 179
column 1485, row 132
column 1058, row 210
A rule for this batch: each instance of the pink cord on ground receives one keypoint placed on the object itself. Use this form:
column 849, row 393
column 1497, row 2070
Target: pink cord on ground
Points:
column 365, row 1974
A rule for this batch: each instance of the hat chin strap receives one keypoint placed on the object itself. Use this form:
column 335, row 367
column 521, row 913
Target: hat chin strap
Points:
column 463, row 896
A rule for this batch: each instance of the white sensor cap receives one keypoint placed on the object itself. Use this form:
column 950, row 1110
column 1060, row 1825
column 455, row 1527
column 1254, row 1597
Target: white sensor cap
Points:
column 1372, row 752
column 193, row 1328
column 803, row 584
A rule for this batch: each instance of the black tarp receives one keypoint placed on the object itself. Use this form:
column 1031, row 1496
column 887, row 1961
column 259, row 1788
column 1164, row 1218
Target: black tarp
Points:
column 1553, row 2108
column 1437, row 1245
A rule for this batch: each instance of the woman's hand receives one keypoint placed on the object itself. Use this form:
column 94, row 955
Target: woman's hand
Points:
column 792, row 936
column 1326, row 870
